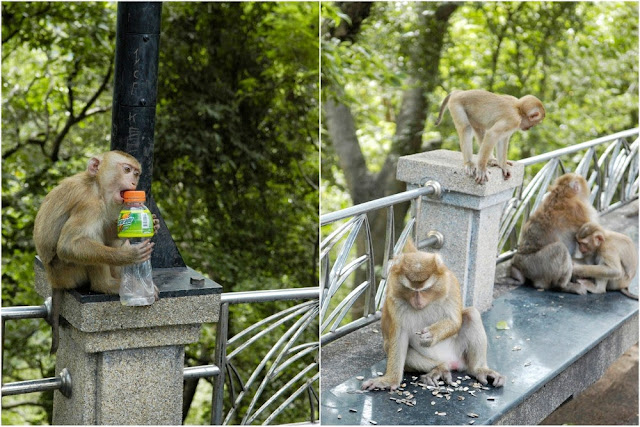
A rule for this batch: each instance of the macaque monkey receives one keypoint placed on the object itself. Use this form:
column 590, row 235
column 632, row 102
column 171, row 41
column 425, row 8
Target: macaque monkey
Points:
column 548, row 237
column 493, row 119
column 425, row 328
column 75, row 230
column 611, row 259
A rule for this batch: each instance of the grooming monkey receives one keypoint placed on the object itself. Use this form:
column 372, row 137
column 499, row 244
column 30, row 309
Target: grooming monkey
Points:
column 548, row 237
column 425, row 328
column 611, row 259
column 75, row 230
column 493, row 119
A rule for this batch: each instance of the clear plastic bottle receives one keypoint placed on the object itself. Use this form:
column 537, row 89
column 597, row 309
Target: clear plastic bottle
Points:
column 136, row 224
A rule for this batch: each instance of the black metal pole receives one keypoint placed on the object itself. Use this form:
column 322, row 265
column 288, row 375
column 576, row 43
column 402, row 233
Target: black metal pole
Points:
column 134, row 105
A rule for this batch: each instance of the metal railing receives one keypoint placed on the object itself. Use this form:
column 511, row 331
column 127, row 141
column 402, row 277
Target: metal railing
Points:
column 610, row 165
column 286, row 351
column 612, row 176
column 333, row 276
column 283, row 354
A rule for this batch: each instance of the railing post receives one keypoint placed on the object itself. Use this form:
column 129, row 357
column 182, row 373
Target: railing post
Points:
column 127, row 363
column 220, row 359
column 467, row 214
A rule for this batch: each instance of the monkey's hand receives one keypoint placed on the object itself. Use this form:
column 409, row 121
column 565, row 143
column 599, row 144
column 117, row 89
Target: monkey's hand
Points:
column 156, row 223
column 140, row 252
column 426, row 337
column 470, row 168
column 482, row 175
column 439, row 373
column 485, row 374
column 384, row 382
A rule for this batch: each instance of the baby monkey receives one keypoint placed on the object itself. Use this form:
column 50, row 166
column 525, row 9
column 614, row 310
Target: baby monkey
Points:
column 425, row 328
column 611, row 260
column 493, row 119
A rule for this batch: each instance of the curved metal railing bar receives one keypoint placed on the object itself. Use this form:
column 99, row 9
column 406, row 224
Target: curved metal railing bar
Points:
column 612, row 177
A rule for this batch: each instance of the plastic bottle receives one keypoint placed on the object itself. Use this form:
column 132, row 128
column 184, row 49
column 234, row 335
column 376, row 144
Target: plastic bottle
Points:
column 136, row 224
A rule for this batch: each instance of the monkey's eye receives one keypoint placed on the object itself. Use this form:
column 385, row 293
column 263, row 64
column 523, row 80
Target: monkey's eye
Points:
column 136, row 173
column 127, row 169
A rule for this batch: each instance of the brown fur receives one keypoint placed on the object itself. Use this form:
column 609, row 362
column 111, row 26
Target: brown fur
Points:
column 492, row 118
column 612, row 259
column 75, row 229
column 548, row 237
column 421, row 316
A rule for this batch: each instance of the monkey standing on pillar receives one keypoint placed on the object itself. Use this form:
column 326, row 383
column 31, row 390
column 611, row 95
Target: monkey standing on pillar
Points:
column 492, row 119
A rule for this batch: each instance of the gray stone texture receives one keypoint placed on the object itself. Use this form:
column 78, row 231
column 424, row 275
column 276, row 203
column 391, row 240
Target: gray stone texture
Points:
column 127, row 363
column 467, row 214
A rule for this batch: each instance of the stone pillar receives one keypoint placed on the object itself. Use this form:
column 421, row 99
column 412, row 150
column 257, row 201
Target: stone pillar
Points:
column 467, row 214
column 127, row 363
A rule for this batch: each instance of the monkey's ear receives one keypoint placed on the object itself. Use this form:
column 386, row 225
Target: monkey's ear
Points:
column 534, row 114
column 575, row 185
column 410, row 247
column 598, row 237
column 439, row 263
column 93, row 166
column 396, row 264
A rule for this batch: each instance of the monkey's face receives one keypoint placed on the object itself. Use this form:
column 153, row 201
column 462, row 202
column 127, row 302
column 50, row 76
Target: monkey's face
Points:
column 585, row 246
column 130, row 175
column 416, row 274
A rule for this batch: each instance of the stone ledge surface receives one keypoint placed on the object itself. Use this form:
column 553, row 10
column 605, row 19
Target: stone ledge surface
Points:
column 446, row 167
column 181, row 303
column 554, row 331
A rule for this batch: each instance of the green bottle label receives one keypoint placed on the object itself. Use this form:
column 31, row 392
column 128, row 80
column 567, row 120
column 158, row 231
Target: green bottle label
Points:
column 135, row 223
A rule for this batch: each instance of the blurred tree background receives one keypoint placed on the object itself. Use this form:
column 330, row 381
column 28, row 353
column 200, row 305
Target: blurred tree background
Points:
column 387, row 66
column 236, row 157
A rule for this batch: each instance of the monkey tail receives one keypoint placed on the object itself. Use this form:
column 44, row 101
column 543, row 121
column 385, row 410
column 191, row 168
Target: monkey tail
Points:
column 625, row 292
column 56, row 300
column 444, row 105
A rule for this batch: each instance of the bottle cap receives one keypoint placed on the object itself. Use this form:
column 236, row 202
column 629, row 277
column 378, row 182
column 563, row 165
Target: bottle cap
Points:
column 134, row 196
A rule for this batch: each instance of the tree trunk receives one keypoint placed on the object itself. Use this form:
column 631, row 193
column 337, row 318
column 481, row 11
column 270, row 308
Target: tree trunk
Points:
column 363, row 186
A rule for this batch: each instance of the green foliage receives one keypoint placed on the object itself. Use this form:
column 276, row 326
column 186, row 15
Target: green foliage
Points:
column 236, row 151
column 580, row 58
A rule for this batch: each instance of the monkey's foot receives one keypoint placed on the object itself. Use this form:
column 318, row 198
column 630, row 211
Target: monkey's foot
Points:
column 439, row 373
column 485, row 374
column 156, row 292
column 576, row 288
column 426, row 338
column 383, row 382
column 591, row 287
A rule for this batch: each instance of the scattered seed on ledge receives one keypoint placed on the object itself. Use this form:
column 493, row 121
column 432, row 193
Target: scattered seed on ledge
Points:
column 360, row 377
column 516, row 348
column 353, row 410
column 472, row 415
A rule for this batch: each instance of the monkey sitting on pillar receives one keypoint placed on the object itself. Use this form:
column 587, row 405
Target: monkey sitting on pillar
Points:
column 425, row 328
column 75, row 230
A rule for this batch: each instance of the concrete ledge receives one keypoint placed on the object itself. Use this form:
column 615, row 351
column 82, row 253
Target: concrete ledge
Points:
column 181, row 303
column 557, row 345
column 95, row 342
column 448, row 169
